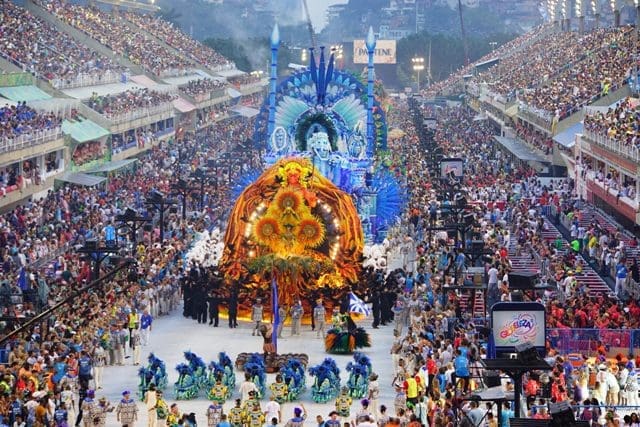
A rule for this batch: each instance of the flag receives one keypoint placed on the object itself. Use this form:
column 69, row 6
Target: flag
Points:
column 22, row 279
column 276, row 315
column 356, row 305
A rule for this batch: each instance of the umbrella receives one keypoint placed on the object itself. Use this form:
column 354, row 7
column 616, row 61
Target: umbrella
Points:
column 356, row 305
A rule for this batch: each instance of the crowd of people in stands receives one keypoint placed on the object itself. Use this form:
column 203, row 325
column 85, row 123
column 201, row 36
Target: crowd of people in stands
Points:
column 619, row 123
column 177, row 39
column 441, row 344
column 40, row 48
column 113, row 32
column 208, row 115
column 595, row 72
column 87, row 152
column 535, row 137
column 128, row 101
column 202, row 86
column 244, row 79
column 20, row 119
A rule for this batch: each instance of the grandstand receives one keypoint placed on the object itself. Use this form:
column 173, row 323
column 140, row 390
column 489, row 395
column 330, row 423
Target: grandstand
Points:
column 110, row 94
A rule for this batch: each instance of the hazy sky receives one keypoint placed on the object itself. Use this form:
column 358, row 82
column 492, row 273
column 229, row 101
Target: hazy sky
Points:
column 317, row 9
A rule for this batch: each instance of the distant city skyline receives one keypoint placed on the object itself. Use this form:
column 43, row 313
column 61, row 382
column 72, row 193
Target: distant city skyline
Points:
column 318, row 8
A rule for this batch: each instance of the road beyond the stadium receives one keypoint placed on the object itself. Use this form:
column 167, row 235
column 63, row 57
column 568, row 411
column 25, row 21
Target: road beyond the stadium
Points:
column 174, row 334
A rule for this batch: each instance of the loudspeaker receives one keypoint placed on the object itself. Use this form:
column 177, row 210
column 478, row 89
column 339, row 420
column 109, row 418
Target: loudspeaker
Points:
column 491, row 378
column 522, row 281
column 561, row 414
column 527, row 353
column 517, row 296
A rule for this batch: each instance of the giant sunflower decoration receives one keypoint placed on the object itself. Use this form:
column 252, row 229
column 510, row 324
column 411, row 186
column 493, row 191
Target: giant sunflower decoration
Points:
column 295, row 225
column 311, row 232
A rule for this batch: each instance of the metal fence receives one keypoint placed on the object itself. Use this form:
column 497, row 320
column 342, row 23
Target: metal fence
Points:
column 29, row 140
column 628, row 150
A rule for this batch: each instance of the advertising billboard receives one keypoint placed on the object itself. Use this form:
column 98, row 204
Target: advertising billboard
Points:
column 455, row 165
column 385, row 52
column 515, row 323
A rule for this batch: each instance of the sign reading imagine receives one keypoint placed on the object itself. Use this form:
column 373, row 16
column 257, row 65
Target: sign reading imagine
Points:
column 385, row 52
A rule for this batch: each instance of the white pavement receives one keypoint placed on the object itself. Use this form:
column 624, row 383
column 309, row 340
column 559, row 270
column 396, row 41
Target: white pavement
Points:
column 174, row 334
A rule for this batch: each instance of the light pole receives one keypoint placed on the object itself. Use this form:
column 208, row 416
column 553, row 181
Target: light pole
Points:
column 418, row 65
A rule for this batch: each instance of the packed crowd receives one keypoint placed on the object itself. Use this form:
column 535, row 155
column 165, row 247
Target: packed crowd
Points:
column 87, row 152
column 177, row 39
column 502, row 51
column 20, row 119
column 112, row 31
column 202, row 86
column 244, row 79
column 128, row 101
column 41, row 49
column 598, row 71
column 619, row 123
column 49, row 371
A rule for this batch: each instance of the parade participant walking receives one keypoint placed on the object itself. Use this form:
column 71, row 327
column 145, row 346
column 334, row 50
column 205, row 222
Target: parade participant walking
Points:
column 282, row 313
column 162, row 409
column 146, row 322
column 133, row 323
column 319, row 315
column 86, row 409
column 150, row 402
column 84, row 369
column 127, row 410
column 99, row 360
column 272, row 409
column 257, row 312
column 218, row 392
column 247, row 387
column 333, row 420
column 279, row 390
column 214, row 414
column 299, row 415
column 254, row 416
column 136, row 344
column 343, row 403
column 373, row 394
column 297, row 311
column 236, row 414
column 100, row 411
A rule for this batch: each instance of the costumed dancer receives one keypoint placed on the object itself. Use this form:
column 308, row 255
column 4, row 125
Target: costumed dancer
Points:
column 344, row 337
column 136, row 344
column 127, row 410
column 236, row 414
column 218, row 392
column 99, row 415
column 343, row 404
column 254, row 417
column 175, row 416
column 214, row 414
column 162, row 409
column 267, row 347
column 279, row 389
column 257, row 311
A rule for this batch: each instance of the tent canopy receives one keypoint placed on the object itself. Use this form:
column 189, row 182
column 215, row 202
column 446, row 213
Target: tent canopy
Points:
column 112, row 166
column 245, row 111
column 83, row 130
column 520, row 150
column 83, row 179
column 183, row 105
column 567, row 138
column 23, row 93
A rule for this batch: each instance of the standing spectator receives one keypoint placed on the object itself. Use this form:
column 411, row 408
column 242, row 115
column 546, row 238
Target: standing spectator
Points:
column 319, row 315
column 297, row 311
column 257, row 311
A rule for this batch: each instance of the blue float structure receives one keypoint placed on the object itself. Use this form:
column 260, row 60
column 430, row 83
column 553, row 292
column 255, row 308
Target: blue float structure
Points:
column 333, row 118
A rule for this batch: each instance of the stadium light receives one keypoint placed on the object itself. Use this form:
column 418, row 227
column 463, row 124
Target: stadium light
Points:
column 578, row 8
column 418, row 65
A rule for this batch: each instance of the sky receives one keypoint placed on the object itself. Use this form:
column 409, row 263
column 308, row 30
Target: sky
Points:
column 317, row 10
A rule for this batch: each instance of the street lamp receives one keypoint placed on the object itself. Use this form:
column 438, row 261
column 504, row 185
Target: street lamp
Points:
column 493, row 45
column 418, row 65
column 158, row 201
